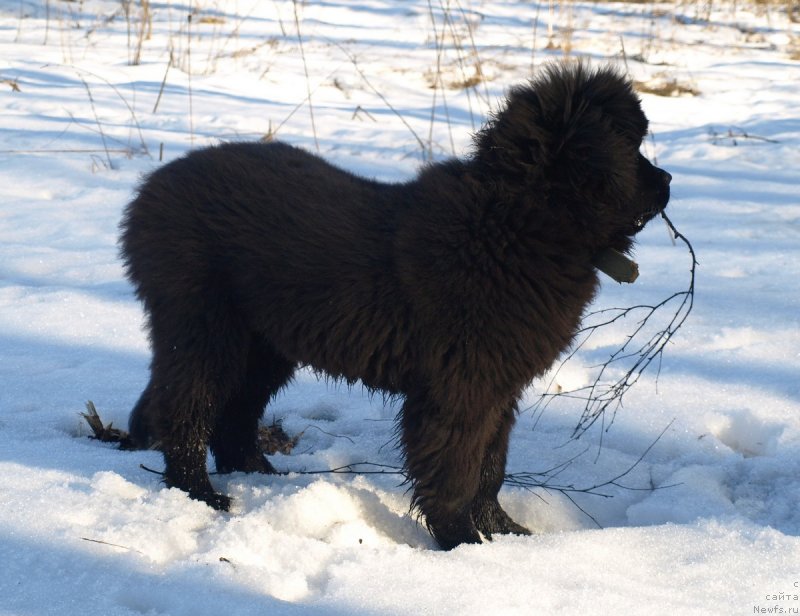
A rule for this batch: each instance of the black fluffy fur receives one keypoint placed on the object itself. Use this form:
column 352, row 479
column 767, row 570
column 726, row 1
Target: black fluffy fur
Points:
column 453, row 290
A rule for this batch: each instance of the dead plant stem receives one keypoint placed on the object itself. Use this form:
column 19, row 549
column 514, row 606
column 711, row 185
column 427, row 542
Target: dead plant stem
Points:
column 305, row 70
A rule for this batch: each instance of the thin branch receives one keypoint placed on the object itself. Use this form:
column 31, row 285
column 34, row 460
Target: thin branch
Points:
column 438, row 81
column 113, row 545
column 189, row 72
column 530, row 480
column 305, row 70
column 97, row 120
column 273, row 132
column 735, row 134
column 328, row 433
column 81, row 71
column 354, row 60
column 600, row 396
column 164, row 80
column 354, row 469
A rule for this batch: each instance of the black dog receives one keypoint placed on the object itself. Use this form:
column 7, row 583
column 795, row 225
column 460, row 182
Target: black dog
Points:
column 454, row 289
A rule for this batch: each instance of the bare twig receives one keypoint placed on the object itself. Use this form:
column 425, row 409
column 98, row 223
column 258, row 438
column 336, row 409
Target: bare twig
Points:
column 113, row 545
column 127, row 150
column 273, row 132
column 151, row 470
column 544, row 480
column 326, row 433
column 164, row 80
column 305, row 70
column 354, row 60
column 479, row 75
column 437, row 81
column 189, row 73
column 600, row 396
column 80, row 72
column 223, row 559
column 12, row 83
column 106, row 434
column 734, row 135
column 354, row 469
column 97, row 120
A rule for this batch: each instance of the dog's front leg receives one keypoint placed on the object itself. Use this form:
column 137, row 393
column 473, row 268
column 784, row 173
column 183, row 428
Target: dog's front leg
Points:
column 487, row 514
column 444, row 449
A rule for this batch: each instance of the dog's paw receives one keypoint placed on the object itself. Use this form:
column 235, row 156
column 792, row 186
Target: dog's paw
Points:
column 490, row 519
column 455, row 531
column 215, row 500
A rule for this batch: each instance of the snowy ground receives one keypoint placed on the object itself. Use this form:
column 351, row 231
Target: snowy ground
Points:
column 85, row 530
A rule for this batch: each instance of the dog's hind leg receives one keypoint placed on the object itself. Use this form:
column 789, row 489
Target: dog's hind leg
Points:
column 488, row 515
column 199, row 360
column 234, row 441
column 140, row 421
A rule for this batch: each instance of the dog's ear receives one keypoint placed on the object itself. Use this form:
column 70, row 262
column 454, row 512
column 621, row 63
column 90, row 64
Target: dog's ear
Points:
column 571, row 90
column 569, row 124
column 516, row 142
column 597, row 125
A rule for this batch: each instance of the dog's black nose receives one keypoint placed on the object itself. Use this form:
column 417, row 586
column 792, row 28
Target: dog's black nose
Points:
column 667, row 177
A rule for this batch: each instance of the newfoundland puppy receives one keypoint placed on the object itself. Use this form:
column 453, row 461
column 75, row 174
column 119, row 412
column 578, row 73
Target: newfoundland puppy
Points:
column 452, row 290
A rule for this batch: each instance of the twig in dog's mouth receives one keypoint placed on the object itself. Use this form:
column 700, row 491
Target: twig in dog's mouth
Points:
column 601, row 395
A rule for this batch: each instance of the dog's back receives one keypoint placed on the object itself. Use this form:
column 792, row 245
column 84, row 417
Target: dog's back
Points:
column 302, row 248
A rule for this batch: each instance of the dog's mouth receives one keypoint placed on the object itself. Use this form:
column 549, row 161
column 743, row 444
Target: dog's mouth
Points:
column 643, row 218
column 657, row 196
column 623, row 239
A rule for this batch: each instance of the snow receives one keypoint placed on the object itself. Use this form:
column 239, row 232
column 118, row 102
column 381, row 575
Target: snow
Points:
column 85, row 529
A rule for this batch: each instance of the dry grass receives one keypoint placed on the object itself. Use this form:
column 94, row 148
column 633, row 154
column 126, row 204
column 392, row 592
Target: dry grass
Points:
column 459, row 66
column 11, row 83
column 140, row 28
column 272, row 438
column 663, row 84
column 211, row 20
column 794, row 48
column 105, row 433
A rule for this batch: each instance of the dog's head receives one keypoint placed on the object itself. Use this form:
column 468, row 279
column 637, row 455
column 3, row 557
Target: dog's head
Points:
column 572, row 136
